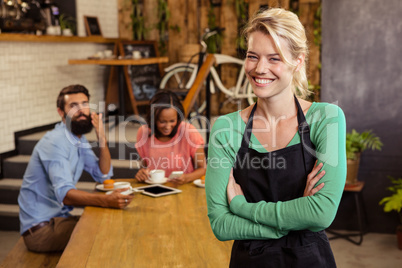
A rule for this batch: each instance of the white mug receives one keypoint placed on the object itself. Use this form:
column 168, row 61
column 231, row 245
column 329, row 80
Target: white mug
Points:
column 51, row 30
column 108, row 53
column 121, row 184
column 157, row 175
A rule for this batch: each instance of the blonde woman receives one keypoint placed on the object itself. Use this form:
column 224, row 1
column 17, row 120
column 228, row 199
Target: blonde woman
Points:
column 276, row 170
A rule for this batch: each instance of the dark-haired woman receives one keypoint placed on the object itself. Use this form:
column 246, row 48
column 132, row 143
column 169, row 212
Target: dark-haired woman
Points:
column 169, row 143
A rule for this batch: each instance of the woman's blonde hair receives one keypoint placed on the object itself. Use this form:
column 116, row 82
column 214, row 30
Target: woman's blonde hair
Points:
column 280, row 23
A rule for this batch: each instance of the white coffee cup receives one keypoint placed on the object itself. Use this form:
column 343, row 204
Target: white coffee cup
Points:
column 136, row 54
column 121, row 184
column 157, row 175
column 51, row 30
column 108, row 53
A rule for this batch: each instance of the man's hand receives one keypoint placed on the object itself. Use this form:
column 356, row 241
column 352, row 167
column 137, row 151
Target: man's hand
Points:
column 118, row 200
column 76, row 197
column 233, row 188
column 312, row 180
column 142, row 175
column 104, row 153
column 97, row 122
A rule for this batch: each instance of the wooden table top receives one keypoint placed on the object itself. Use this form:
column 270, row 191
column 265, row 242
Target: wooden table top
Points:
column 143, row 61
column 168, row 231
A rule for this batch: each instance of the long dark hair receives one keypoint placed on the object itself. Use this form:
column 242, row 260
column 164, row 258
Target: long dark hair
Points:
column 160, row 101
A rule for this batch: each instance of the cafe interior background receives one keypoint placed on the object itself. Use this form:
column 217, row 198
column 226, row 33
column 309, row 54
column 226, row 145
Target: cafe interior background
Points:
column 354, row 62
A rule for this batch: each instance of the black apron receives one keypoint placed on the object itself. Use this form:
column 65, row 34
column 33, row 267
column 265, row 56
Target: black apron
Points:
column 279, row 176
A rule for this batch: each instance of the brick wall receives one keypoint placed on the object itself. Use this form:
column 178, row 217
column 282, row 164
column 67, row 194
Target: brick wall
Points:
column 32, row 74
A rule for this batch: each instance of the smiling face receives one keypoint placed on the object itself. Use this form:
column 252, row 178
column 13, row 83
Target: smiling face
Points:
column 166, row 122
column 267, row 72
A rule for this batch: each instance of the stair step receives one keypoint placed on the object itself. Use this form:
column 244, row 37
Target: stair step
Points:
column 117, row 150
column 9, row 216
column 9, row 210
column 121, row 141
column 12, row 184
column 10, row 188
column 14, row 210
column 14, row 167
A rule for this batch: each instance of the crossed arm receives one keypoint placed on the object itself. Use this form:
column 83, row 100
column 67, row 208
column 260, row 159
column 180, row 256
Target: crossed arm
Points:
column 268, row 220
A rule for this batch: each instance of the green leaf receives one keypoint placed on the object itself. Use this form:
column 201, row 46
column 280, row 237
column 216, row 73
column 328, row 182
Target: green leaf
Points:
column 394, row 201
column 358, row 142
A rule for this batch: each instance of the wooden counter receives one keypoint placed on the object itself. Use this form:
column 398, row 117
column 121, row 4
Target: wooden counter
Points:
column 169, row 231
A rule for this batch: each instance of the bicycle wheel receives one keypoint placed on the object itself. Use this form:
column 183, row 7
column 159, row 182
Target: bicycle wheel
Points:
column 179, row 79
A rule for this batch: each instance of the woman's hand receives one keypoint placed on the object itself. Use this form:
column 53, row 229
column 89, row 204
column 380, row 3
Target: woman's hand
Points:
column 233, row 188
column 312, row 180
column 142, row 175
column 180, row 180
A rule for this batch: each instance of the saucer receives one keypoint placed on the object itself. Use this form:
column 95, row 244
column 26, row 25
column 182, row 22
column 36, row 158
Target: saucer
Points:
column 101, row 187
column 198, row 183
column 117, row 185
column 159, row 182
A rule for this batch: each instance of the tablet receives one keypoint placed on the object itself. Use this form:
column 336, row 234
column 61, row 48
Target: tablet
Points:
column 157, row 190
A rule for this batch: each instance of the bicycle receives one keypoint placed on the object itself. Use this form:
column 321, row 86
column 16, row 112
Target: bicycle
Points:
column 180, row 76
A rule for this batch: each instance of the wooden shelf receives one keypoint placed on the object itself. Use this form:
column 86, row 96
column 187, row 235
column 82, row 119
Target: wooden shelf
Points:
column 143, row 61
column 14, row 37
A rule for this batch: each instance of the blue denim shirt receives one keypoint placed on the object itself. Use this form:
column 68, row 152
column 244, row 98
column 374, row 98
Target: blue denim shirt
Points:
column 55, row 167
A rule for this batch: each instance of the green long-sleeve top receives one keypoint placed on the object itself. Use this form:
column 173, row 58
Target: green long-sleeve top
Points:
column 271, row 220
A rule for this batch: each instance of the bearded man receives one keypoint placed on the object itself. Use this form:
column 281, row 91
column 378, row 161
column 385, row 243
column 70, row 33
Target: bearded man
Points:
column 48, row 191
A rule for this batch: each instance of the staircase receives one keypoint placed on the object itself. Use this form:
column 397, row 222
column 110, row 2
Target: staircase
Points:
column 121, row 142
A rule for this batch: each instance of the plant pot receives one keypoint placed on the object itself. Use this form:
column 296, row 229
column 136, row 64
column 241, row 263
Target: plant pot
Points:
column 399, row 236
column 67, row 32
column 352, row 169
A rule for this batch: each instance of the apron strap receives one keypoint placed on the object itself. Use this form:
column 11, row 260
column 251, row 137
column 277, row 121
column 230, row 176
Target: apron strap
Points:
column 248, row 130
column 303, row 129
column 304, row 132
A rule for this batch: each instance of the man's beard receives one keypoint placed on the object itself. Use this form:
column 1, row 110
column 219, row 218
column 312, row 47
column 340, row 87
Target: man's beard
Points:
column 79, row 127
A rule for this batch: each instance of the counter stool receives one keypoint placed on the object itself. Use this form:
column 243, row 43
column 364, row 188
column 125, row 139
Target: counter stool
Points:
column 356, row 190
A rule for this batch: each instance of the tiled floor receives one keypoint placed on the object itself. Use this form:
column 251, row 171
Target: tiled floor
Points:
column 376, row 251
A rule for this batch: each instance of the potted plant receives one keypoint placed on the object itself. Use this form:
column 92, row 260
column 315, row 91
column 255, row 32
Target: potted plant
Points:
column 394, row 202
column 356, row 143
column 67, row 25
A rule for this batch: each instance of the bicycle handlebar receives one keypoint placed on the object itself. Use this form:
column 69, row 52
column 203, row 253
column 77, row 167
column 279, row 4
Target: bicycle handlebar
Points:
column 208, row 33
